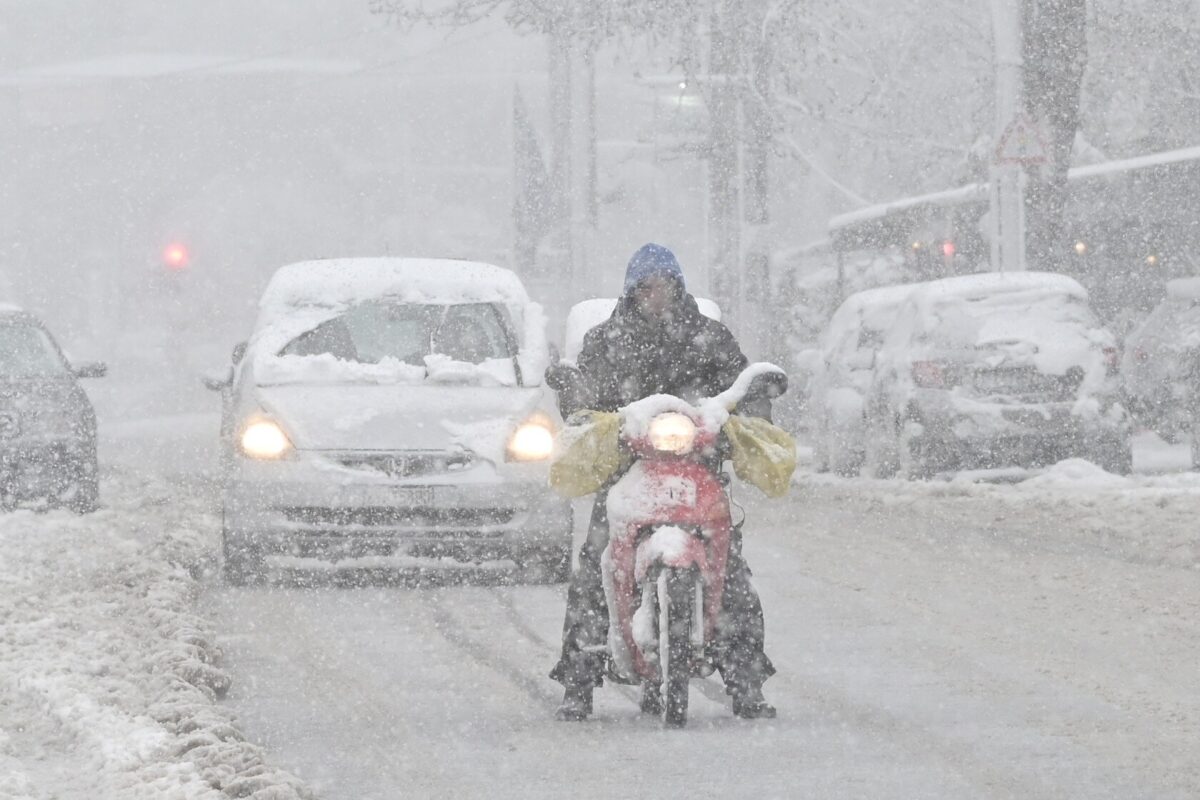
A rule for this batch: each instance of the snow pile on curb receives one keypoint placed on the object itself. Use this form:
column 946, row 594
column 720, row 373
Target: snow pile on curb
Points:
column 108, row 682
column 1138, row 518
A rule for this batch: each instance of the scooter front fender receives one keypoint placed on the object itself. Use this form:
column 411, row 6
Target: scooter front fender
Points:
column 670, row 546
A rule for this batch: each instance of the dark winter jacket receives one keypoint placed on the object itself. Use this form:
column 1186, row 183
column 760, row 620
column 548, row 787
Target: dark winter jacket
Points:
column 684, row 354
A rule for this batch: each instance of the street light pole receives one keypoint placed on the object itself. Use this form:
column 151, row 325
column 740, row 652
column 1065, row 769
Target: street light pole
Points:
column 1008, row 179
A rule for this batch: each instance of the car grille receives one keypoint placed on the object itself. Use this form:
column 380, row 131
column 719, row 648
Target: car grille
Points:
column 409, row 464
column 399, row 517
column 1026, row 383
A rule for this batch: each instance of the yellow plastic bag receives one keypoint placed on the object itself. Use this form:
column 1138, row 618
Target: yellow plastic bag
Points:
column 763, row 455
column 588, row 455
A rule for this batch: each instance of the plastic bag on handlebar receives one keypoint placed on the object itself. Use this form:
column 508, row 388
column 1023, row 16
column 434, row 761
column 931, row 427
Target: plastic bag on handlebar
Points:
column 763, row 455
column 589, row 454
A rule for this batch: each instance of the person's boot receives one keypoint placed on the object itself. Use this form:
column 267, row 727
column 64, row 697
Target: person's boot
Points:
column 652, row 701
column 576, row 704
column 749, row 703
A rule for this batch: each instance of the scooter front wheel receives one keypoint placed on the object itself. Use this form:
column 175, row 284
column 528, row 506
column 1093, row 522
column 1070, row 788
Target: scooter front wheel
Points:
column 676, row 609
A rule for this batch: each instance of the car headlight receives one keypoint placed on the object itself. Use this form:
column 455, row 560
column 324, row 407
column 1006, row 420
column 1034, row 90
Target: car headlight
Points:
column 673, row 433
column 533, row 440
column 264, row 439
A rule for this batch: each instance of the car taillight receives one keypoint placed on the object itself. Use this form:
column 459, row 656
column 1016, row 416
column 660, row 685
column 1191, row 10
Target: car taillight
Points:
column 1140, row 355
column 1112, row 360
column 929, row 374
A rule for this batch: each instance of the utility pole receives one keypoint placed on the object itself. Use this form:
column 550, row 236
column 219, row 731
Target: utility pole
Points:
column 759, row 126
column 562, row 108
column 1007, row 175
column 724, row 162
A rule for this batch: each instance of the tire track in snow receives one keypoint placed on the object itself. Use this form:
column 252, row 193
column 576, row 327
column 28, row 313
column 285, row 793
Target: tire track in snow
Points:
column 450, row 628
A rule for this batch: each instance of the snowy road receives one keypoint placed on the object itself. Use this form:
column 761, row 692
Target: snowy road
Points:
column 932, row 641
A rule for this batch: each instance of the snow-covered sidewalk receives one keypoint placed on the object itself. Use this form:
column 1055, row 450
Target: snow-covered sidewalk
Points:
column 108, row 680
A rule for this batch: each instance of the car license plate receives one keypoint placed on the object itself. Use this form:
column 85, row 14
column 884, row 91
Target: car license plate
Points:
column 412, row 495
column 395, row 496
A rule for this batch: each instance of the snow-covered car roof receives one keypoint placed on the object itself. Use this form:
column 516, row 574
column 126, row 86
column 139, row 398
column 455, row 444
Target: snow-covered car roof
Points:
column 1029, row 317
column 882, row 296
column 301, row 296
column 855, row 311
column 345, row 281
column 993, row 284
column 587, row 314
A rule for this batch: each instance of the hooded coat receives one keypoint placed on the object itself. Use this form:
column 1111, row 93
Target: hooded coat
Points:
column 683, row 353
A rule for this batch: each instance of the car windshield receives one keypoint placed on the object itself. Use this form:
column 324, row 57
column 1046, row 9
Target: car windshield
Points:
column 27, row 352
column 370, row 333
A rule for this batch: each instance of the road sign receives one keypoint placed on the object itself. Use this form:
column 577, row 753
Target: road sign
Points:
column 1022, row 144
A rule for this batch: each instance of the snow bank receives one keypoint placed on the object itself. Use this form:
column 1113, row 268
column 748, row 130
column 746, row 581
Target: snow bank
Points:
column 1144, row 518
column 1078, row 473
column 108, row 680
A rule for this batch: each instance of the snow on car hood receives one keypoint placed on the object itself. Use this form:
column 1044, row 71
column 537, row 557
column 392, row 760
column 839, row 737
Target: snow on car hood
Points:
column 1052, row 343
column 1053, row 332
column 398, row 417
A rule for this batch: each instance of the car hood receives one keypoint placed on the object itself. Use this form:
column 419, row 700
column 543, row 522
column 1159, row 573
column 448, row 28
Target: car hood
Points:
column 400, row 417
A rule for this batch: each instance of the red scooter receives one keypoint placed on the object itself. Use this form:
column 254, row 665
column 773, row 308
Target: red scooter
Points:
column 669, row 536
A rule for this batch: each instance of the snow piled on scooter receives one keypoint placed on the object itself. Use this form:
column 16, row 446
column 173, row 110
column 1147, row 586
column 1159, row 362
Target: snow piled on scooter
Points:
column 108, row 680
column 713, row 411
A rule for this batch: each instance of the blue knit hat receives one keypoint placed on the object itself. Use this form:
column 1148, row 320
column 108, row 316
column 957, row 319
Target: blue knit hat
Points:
column 651, row 260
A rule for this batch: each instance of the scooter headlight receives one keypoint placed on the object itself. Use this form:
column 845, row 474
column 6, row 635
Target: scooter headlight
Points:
column 673, row 433
column 533, row 440
column 264, row 440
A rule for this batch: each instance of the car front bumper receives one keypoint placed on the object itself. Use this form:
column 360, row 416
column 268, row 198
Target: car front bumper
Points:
column 481, row 518
column 32, row 468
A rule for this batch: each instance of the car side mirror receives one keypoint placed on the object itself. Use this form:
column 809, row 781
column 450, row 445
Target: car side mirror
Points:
column 90, row 369
column 217, row 382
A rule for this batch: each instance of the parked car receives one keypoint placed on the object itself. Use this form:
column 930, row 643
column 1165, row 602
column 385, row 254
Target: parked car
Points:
column 392, row 407
column 840, row 371
column 47, row 424
column 995, row 370
column 1158, row 365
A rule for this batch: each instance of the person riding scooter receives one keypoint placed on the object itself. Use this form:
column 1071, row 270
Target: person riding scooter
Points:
column 657, row 342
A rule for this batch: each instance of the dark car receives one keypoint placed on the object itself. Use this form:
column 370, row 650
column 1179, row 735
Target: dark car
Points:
column 47, row 424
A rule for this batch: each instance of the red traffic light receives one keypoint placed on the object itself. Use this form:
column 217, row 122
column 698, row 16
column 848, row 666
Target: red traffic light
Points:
column 175, row 256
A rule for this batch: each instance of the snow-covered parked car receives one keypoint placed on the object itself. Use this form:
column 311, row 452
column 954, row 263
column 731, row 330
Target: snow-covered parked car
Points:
column 47, row 424
column 841, row 369
column 393, row 407
column 1158, row 366
column 996, row 370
